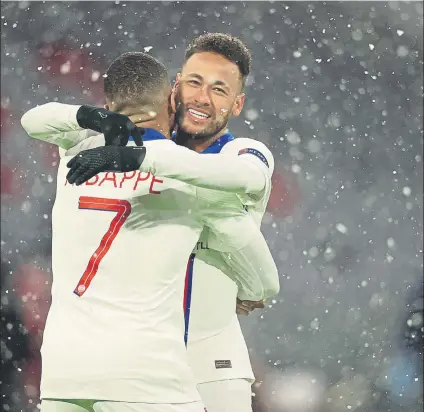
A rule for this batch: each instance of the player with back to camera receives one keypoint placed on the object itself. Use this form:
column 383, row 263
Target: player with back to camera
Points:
column 114, row 335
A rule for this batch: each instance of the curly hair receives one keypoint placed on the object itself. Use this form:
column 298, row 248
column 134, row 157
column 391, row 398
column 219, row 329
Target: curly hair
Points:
column 230, row 47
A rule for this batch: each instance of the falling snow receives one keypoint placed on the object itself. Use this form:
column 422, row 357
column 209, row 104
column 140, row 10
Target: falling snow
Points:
column 336, row 92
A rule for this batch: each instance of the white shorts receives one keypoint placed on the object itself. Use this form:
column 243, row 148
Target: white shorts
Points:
column 234, row 395
column 74, row 405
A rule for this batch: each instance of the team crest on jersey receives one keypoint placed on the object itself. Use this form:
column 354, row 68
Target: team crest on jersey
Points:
column 254, row 152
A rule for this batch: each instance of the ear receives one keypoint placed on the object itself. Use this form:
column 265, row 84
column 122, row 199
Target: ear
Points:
column 238, row 105
column 177, row 81
column 172, row 104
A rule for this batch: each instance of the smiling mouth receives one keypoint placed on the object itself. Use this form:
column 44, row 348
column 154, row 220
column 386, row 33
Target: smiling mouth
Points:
column 198, row 115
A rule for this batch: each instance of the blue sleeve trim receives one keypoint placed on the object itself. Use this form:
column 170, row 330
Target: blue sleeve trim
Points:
column 254, row 152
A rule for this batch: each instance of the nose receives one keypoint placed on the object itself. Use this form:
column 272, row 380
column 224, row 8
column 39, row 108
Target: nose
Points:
column 203, row 96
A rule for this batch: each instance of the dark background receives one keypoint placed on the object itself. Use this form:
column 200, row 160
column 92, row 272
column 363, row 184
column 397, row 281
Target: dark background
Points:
column 336, row 92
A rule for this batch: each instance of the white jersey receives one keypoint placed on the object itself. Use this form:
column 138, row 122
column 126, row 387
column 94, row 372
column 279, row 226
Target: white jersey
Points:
column 114, row 330
column 120, row 241
column 215, row 343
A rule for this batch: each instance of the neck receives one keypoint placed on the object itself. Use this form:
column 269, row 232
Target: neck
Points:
column 157, row 123
column 199, row 145
column 147, row 117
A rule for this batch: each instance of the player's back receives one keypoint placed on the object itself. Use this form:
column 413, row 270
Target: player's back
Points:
column 115, row 327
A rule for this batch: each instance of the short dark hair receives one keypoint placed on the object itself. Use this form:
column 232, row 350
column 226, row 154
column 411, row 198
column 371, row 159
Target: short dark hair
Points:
column 135, row 79
column 230, row 47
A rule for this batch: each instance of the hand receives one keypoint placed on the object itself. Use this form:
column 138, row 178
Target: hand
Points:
column 88, row 163
column 116, row 128
column 244, row 307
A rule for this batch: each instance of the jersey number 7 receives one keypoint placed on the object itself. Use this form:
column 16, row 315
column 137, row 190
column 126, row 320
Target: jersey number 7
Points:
column 123, row 210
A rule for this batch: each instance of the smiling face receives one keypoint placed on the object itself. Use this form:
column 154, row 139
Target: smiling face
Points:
column 207, row 93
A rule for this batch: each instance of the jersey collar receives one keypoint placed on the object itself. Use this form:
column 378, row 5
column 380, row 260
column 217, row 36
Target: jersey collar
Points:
column 218, row 144
column 150, row 134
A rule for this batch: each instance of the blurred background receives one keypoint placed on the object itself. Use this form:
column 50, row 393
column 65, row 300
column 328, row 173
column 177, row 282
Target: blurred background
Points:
column 336, row 92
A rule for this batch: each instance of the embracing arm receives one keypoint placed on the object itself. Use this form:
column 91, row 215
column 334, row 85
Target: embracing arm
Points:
column 239, row 168
column 56, row 123
column 252, row 268
column 237, row 247
column 71, row 126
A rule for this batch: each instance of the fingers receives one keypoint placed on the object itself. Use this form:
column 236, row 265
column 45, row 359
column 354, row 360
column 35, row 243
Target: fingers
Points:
column 117, row 131
column 87, row 175
column 78, row 170
column 241, row 310
column 81, row 168
column 73, row 165
column 257, row 305
column 81, row 174
column 136, row 134
column 72, row 162
column 244, row 307
column 253, row 304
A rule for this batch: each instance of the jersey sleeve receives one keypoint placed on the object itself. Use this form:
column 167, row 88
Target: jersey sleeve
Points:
column 89, row 142
column 56, row 123
column 259, row 155
column 252, row 267
column 223, row 171
column 238, row 248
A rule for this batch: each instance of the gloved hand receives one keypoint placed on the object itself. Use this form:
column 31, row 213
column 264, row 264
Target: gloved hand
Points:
column 88, row 163
column 117, row 128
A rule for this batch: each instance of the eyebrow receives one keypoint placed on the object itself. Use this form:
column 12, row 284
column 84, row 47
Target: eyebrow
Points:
column 216, row 83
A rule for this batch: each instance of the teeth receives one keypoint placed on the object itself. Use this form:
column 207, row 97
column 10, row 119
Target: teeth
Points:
column 195, row 113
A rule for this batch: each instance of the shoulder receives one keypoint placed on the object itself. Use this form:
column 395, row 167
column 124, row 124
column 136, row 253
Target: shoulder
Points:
column 252, row 149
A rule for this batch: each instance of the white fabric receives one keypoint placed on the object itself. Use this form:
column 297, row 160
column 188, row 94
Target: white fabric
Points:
column 55, row 123
column 258, row 201
column 123, row 339
column 237, row 174
column 52, row 405
column 214, row 331
column 227, row 348
column 213, row 302
column 253, row 269
column 226, row 172
column 227, row 396
column 255, row 257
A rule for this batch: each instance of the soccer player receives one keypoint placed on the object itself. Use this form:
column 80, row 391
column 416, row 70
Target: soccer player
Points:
column 209, row 90
column 114, row 335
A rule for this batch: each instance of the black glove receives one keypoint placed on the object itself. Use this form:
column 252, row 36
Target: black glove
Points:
column 88, row 163
column 117, row 128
